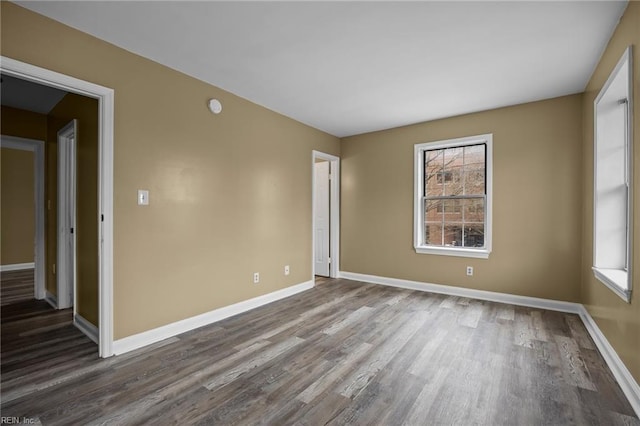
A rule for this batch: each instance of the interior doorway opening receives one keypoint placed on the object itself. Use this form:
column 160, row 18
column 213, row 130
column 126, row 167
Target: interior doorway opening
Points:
column 103, row 334
column 38, row 265
column 326, row 215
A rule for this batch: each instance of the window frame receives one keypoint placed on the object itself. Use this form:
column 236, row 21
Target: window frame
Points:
column 619, row 280
column 419, row 197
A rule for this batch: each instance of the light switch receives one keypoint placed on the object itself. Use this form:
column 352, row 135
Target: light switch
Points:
column 143, row 197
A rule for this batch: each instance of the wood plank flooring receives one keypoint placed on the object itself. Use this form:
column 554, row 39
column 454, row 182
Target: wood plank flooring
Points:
column 40, row 346
column 17, row 286
column 341, row 353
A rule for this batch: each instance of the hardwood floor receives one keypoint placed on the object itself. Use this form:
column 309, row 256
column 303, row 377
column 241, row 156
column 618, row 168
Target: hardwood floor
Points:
column 17, row 286
column 40, row 346
column 341, row 353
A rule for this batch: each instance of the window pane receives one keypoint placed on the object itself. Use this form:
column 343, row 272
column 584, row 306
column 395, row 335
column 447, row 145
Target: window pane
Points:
column 453, row 162
column 452, row 235
column 433, row 222
column 474, row 165
column 452, row 209
column 433, row 234
column 611, row 186
column 433, row 172
column 473, row 210
column 473, row 182
column 473, row 235
column 433, row 211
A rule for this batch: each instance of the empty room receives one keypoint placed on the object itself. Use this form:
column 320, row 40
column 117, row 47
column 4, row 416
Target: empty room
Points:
column 305, row 212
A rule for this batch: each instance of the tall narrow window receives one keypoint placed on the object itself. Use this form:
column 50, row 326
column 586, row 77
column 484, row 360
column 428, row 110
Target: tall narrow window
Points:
column 612, row 180
column 453, row 197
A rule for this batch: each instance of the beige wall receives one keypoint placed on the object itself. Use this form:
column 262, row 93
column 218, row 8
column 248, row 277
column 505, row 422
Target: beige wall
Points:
column 536, row 207
column 619, row 321
column 229, row 195
column 17, row 207
column 85, row 111
column 23, row 124
column 31, row 125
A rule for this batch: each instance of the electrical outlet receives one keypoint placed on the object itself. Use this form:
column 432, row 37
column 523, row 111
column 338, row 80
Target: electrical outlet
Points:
column 286, row 269
column 256, row 277
column 469, row 270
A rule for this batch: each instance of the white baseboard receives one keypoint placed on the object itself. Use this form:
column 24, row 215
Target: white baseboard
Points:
column 512, row 299
column 145, row 338
column 626, row 381
column 17, row 267
column 621, row 373
column 90, row 330
column 51, row 299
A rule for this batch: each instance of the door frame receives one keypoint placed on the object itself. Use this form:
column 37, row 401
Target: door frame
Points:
column 334, row 212
column 67, row 202
column 105, row 97
column 37, row 147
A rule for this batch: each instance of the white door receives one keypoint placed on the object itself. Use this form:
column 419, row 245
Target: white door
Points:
column 66, row 270
column 321, row 249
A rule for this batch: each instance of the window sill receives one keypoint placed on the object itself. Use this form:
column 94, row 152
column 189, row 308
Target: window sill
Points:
column 454, row 251
column 616, row 280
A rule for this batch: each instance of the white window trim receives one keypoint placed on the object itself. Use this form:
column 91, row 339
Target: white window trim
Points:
column 613, row 278
column 418, row 214
column 618, row 280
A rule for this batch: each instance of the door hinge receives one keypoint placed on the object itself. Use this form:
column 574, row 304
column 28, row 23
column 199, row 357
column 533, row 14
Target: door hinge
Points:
column 329, row 260
column 72, row 230
column 101, row 218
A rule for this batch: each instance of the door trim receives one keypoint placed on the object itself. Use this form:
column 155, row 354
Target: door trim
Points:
column 334, row 212
column 105, row 97
column 37, row 147
column 67, row 202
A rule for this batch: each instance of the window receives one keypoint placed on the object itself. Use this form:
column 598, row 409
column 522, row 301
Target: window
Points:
column 452, row 198
column 612, row 207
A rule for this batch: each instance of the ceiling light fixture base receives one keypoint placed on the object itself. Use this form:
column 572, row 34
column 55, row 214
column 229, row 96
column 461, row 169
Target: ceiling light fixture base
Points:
column 215, row 106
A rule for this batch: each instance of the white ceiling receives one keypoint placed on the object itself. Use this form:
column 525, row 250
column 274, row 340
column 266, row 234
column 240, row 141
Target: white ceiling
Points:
column 354, row 67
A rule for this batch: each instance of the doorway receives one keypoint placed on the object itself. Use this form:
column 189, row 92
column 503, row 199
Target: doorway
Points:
column 105, row 98
column 37, row 147
column 326, row 215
